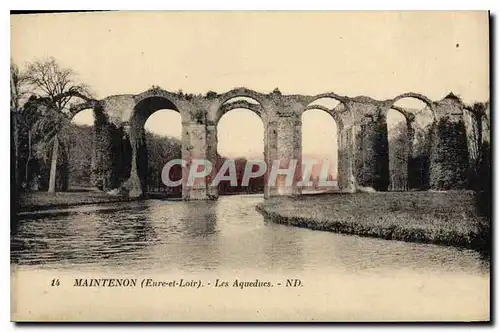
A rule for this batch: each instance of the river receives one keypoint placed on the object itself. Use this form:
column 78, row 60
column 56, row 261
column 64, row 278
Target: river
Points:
column 228, row 237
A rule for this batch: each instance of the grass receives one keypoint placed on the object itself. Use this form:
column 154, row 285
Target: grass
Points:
column 446, row 218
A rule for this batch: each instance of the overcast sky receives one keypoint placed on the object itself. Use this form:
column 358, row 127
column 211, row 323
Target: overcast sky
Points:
column 380, row 54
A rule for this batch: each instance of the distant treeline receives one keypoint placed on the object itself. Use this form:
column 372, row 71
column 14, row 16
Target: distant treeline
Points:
column 162, row 149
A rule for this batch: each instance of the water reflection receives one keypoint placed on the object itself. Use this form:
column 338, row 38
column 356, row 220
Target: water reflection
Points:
column 191, row 230
column 283, row 249
column 82, row 236
column 228, row 234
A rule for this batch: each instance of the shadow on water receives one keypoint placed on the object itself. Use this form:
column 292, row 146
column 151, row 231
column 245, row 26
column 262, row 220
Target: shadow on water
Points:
column 81, row 236
column 198, row 218
column 117, row 235
column 189, row 235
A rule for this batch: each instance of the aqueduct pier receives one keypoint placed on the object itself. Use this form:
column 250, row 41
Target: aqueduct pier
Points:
column 363, row 158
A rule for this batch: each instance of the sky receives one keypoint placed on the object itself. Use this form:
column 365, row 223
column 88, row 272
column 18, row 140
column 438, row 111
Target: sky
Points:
column 379, row 54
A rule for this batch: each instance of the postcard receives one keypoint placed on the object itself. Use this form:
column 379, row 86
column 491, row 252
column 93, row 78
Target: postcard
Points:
column 250, row 166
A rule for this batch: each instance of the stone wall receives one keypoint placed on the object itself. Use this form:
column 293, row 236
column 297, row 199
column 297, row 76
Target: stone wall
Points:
column 449, row 161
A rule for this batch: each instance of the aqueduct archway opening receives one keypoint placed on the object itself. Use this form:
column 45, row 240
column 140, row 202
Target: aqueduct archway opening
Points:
column 240, row 138
column 240, row 141
column 163, row 131
column 151, row 150
column 319, row 145
column 80, row 150
column 409, row 129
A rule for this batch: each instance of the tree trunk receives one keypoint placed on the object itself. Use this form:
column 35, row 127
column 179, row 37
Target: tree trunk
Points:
column 53, row 166
column 26, row 174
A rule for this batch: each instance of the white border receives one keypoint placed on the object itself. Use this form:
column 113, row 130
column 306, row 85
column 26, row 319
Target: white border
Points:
column 190, row 5
column 258, row 5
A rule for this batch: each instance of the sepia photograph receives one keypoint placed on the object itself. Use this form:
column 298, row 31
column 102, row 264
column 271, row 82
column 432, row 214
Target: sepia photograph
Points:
column 250, row 166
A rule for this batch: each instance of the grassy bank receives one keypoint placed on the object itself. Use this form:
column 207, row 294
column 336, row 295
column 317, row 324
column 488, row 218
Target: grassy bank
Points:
column 35, row 201
column 446, row 218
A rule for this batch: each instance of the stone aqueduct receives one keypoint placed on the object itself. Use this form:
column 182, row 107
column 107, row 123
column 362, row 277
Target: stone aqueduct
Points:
column 361, row 121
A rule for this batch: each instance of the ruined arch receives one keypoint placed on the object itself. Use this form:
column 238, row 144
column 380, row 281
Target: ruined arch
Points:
column 225, row 103
column 156, row 92
column 76, row 113
column 241, row 92
column 146, row 104
column 231, row 105
column 332, row 111
column 240, row 136
column 254, row 109
column 416, row 96
column 238, row 98
column 331, row 95
column 338, row 111
column 77, row 108
column 162, row 99
column 344, row 119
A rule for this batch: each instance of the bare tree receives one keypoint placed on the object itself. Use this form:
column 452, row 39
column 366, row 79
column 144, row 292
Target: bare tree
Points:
column 55, row 86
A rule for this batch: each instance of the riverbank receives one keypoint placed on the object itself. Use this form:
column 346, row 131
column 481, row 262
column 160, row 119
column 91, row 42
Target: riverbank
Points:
column 445, row 218
column 36, row 201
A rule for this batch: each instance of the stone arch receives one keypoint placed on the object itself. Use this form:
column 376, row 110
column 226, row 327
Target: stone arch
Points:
column 242, row 92
column 331, row 111
column 165, row 100
column 413, row 95
column 77, row 108
column 344, row 118
column 223, row 105
column 146, row 107
column 256, row 111
column 228, row 106
column 342, row 107
column 229, row 128
column 154, row 92
column 146, row 104
column 331, row 95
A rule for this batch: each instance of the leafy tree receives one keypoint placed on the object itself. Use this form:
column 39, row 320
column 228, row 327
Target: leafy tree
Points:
column 56, row 86
column 160, row 150
column 17, row 94
column 80, row 152
column 255, row 185
column 14, row 108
